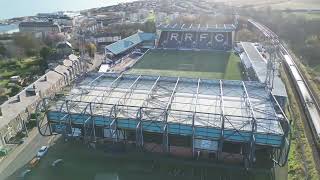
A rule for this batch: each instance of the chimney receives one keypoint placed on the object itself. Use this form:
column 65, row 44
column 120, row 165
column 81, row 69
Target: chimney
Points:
column 0, row 112
column 18, row 98
column 45, row 78
column 34, row 86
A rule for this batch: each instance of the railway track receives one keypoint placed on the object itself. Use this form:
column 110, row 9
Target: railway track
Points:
column 308, row 97
column 274, row 38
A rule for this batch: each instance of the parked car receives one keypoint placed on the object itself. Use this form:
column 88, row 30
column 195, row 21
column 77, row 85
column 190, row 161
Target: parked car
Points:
column 34, row 162
column 24, row 174
column 42, row 151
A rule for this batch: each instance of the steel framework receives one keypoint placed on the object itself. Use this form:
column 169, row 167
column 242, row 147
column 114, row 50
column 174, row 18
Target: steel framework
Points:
column 211, row 111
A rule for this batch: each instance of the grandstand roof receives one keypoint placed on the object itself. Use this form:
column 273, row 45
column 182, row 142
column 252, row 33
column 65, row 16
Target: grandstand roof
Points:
column 182, row 98
column 197, row 27
column 129, row 42
column 259, row 65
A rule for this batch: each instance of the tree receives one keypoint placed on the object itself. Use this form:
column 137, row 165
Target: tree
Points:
column 246, row 35
column 27, row 43
column 91, row 48
column 149, row 27
column 3, row 50
column 45, row 53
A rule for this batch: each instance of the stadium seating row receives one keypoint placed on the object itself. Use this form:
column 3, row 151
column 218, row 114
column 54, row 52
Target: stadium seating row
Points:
column 195, row 40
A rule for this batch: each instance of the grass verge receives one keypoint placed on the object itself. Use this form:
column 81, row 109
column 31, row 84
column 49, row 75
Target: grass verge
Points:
column 301, row 164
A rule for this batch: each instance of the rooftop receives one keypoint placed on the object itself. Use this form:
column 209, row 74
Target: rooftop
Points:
column 259, row 65
column 197, row 27
column 129, row 42
column 198, row 102
column 13, row 108
column 37, row 23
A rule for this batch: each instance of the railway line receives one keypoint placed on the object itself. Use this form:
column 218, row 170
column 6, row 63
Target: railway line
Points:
column 307, row 96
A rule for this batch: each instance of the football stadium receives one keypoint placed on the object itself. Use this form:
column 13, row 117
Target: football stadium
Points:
column 182, row 92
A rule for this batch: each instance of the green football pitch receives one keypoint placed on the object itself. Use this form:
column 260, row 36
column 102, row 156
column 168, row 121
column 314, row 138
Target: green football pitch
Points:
column 194, row 64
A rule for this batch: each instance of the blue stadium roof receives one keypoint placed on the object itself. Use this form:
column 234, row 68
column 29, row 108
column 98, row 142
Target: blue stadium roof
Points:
column 197, row 27
column 129, row 42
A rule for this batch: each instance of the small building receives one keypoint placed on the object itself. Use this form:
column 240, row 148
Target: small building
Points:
column 36, row 27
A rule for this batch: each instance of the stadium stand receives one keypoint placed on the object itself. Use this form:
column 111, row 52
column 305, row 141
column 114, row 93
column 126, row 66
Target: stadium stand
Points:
column 191, row 36
column 256, row 68
column 130, row 42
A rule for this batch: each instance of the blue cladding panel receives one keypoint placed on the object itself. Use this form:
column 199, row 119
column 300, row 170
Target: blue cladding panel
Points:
column 239, row 136
column 268, row 139
column 173, row 128
column 127, row 123
column 80, row 119
column 209, row 133
column 56, row 116
column 102, row 121
column 57, row 128
column 152, row 126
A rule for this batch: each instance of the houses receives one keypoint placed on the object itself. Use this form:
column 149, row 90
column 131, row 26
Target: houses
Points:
column 64, row 20
column 17, row 110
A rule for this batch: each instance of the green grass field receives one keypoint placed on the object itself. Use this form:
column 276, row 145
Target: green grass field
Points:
column 204, row 64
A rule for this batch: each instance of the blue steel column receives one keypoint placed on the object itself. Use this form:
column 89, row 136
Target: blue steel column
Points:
column 86, row 134
column 165, row 140
column 167, row 109
column 93, row 123
column 222, row 119
column 139, row 135
column 113, row 124
column 285, row 142
column 253, row 125
column 69, row 115
column 194, row 116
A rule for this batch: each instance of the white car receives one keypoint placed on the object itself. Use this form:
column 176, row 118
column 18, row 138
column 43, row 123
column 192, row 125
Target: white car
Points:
column 42, row 151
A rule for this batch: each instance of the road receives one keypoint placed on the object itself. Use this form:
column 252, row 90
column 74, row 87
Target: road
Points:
column 22, row 155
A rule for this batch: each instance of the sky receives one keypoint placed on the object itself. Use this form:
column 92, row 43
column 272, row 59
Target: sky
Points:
column 17, row 8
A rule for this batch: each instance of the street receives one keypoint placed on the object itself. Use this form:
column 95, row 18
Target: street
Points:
column 22, row 154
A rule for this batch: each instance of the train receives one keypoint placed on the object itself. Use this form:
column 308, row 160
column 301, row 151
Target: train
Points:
column 310, row 104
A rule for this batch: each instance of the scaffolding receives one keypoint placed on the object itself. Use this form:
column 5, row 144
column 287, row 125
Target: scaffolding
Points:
column 209, row 112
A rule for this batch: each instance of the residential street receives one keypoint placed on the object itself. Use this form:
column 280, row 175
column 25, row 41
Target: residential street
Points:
column 22, row 154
